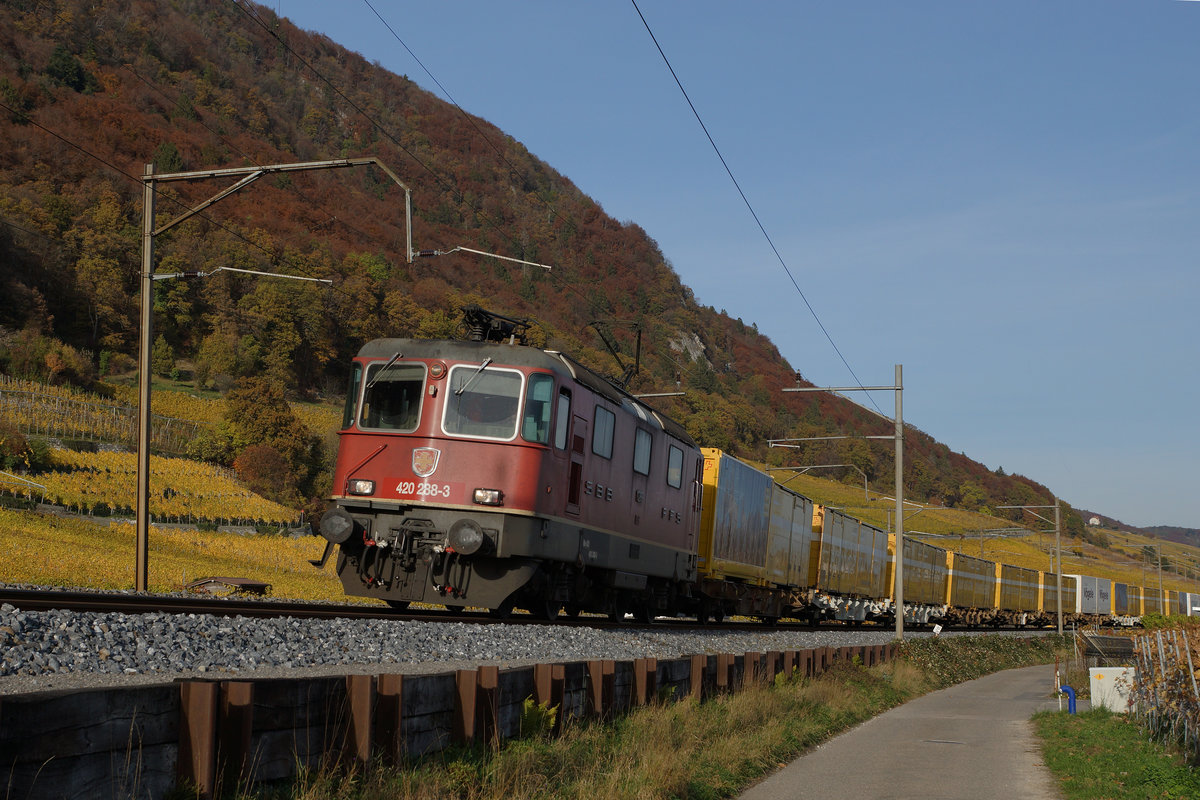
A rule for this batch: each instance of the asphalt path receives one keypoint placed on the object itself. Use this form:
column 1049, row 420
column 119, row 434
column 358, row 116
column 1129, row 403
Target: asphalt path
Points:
column 973, row 741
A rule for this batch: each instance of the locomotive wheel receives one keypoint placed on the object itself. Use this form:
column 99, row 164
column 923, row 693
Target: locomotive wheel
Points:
column 397, row 605
column 455, row 609
column 642, row 613
column 616, row 612
column 546, row 609
column 571, row 610
column 504, row 610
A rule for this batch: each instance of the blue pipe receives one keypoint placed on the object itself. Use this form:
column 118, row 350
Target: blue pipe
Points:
column 1070, row 693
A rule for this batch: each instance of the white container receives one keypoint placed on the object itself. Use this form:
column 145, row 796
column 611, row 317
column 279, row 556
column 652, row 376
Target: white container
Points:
column 1112, row 688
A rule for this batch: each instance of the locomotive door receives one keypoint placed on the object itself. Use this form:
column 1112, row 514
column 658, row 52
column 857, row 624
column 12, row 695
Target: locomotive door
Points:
column 579, row 429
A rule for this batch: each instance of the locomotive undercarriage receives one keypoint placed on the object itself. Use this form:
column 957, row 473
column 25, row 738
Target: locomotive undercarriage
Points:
column 500, row 561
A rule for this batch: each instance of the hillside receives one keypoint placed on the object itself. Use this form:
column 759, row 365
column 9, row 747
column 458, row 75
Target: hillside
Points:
column 92, row 91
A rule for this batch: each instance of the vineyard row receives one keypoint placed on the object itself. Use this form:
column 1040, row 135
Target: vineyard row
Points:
column 40, row 414
column 180, row 490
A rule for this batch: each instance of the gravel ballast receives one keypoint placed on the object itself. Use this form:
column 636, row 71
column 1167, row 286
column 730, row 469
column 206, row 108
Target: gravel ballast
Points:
column 66, row 649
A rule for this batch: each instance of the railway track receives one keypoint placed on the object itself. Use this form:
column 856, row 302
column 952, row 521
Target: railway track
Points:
column 129, row 603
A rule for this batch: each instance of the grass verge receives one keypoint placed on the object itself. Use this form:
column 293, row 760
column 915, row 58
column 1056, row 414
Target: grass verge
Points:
column 1099, row 754
column 686, row 749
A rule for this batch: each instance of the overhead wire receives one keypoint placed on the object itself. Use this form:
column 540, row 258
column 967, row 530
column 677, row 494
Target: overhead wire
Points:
column 749, row 205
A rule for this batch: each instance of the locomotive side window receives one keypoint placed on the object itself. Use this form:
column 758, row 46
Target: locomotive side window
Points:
column 535, row 425
column 392, row 398
column 602, row 432
column 563, row 421
column 482, row 402
column 641, row 451
column 352, row 396
column 674, row 466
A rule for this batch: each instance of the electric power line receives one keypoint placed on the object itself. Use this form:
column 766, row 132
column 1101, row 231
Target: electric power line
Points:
column 746, row 200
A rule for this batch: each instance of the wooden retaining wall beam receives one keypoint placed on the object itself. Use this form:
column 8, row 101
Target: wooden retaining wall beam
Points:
column 787, row 662
column 389, row 697
column 196, row 765
column 601, row 678
column 549, row 682
column 698, row 685
column 235, row 735
column 487, row 699
column 724, row 672
column 645, row 680
column 465, row 683
column 360, row 695
column 752, row 668
column 772, row 665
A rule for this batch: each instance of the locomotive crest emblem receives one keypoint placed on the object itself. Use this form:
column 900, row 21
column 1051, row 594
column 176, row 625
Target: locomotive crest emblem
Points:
column 425, row 461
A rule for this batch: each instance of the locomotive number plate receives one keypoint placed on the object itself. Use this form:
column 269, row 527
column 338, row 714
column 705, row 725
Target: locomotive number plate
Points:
column 427, row 490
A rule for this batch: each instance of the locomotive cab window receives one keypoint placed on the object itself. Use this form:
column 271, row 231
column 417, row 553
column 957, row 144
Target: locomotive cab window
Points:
column 392, row 397
column 674, row 466
column 563, row 421
column 352, row 397
column 539, row 403
column 641, row 451
column 482, row 403
column 602, row 432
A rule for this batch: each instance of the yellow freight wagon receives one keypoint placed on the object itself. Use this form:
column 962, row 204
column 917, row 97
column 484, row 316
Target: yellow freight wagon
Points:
column 1016, row 589
column 1049, row 602
column 1152, row 602
column 925, row 572
column 854, row 556
column 972, row 581
column 791, row 538
column 734, row 519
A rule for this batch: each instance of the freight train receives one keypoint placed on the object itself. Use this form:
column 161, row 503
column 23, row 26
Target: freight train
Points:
column 487, row 473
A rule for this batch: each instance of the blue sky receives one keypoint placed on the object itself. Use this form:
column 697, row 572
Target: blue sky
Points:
column 1004, row 197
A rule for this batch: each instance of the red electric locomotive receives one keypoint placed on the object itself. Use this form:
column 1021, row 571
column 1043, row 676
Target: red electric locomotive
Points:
column 488, row 473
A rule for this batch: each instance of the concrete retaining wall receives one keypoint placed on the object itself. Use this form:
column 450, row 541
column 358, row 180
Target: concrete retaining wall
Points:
column 140, row 741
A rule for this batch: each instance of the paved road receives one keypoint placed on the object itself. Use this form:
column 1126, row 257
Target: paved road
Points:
column 972, row 741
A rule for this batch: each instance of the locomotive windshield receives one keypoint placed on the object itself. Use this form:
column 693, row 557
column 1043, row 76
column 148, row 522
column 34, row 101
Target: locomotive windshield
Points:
column 482, row 402
column 392, row 399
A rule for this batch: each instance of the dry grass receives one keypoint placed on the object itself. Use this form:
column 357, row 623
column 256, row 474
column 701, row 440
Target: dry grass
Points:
column 684, row 749
column 713, row 749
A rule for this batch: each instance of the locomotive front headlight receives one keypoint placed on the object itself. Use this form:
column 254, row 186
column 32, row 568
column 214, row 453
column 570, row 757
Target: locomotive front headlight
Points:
column 489, row 497
column 360, row 486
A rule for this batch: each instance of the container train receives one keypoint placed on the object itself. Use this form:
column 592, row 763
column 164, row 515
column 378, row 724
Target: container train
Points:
column 487, row 473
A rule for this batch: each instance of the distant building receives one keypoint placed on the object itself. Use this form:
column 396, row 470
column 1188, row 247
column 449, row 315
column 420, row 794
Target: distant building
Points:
column 1094, row 521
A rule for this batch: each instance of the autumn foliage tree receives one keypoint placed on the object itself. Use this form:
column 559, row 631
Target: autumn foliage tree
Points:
column 267, row 472
column 259, row 416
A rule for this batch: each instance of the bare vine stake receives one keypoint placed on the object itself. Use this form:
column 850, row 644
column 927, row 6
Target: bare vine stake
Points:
column 1191, row 733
